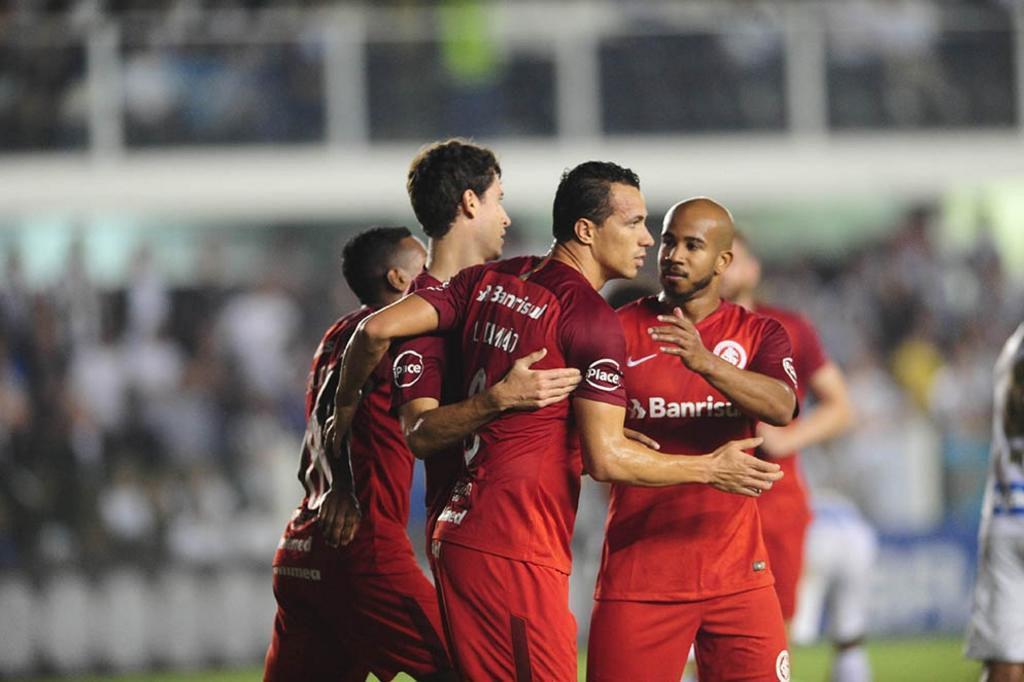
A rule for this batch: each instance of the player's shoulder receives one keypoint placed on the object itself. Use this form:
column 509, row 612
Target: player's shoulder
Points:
column 753, row 322
column 790, row 319
column 424, row 280
column 339, row 332
column 644, row 306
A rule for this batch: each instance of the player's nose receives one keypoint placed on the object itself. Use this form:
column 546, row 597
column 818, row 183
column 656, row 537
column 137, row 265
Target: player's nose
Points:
column 646, row 240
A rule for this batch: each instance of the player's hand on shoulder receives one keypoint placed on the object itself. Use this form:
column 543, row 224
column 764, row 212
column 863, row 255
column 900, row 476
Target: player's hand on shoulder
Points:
column 338, row 517
column 734, row 471
column 524, row 388
column 682, row 339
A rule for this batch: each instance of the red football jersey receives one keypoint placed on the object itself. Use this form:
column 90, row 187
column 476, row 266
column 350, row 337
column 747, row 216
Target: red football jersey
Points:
column 518, row 499
column 689, row 542
column 428, row 367
column 787, row 501
column 382, row 464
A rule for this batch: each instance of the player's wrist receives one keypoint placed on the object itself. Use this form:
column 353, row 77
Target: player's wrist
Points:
column 701, row 467
column 495, row 399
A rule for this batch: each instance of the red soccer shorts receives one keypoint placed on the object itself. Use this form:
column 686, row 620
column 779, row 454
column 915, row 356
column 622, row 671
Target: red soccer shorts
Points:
column 784, row 525
column 506, row 619
column 738, row 637
column 338, row 626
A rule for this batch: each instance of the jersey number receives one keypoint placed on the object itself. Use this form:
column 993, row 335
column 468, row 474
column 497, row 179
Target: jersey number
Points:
column 471, row 444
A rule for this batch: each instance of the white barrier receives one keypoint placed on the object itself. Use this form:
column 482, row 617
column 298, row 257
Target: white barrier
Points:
column 185, row 620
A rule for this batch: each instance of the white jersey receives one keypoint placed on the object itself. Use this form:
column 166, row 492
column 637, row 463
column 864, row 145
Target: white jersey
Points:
column 1003, row 509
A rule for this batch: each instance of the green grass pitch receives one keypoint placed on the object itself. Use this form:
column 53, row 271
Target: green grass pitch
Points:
column 903, row 660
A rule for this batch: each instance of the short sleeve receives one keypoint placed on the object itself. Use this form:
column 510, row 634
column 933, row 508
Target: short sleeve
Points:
column 774, row 356
column 451, row 299
column 593, row 342
column 418, row 369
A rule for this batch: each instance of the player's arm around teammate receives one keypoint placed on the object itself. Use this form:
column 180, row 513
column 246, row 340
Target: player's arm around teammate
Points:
column 430, row 428
column 609, row 455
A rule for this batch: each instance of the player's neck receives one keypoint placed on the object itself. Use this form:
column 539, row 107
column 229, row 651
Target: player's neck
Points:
column 580, row 260
column 746, row 299
column 445, row 258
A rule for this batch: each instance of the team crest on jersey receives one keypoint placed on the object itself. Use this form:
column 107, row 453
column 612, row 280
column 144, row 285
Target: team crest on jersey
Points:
column 787, row 364
column 408, row 368
column 782, row 666
column 604, row 374
column 732, row 352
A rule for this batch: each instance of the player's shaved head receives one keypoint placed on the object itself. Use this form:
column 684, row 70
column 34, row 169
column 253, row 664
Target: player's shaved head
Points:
column 696, row 248
column 713, row 220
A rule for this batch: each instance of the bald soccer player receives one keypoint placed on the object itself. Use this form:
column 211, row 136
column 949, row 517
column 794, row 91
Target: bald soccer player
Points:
column 688, row 565
column 501, row 544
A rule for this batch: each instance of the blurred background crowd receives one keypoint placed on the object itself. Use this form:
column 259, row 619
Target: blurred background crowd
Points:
column 148, row 422
column 154, row 344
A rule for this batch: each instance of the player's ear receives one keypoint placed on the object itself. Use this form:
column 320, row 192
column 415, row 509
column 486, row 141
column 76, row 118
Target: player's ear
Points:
column 724, row 259
column 469, row 203
column 584, row 230
column 397, row 280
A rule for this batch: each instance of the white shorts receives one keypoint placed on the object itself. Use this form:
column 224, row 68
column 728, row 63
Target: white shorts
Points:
column 840, row 553
column 996, row 629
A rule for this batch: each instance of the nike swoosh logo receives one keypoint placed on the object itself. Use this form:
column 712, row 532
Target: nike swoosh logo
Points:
column 630, row 362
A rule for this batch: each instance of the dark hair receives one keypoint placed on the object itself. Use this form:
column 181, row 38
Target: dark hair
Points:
column 440, row 174
column 583, row 193
column 366, row 259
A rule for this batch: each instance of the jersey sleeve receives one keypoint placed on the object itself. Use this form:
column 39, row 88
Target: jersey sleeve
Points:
column 451, row 299
column 774, row 357
column 418, row 369
column 593, row 342
column 809, row 356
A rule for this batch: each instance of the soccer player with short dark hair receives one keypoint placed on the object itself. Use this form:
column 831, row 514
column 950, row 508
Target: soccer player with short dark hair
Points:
column 455, row 190
column 689, row 564
column 365, row 606
column 502, row 541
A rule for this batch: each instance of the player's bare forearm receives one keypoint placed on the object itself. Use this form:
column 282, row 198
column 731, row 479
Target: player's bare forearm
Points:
column 758, row 395
column 362, row 354
column 410, row 316
column 430, row 429
column 611, row 457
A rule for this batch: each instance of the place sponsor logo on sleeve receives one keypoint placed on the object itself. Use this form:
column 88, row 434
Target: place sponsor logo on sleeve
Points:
column 732, row 352
column 604, row 375
column 787, row 364
column 408, row 368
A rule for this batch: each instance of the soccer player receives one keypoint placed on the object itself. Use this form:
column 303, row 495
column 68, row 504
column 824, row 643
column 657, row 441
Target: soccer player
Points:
column 995, row 633
column 841, row 551
column 455, row 190
column 786, row 511
column 502, row 541
column 689, row 565
column 351, row 602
